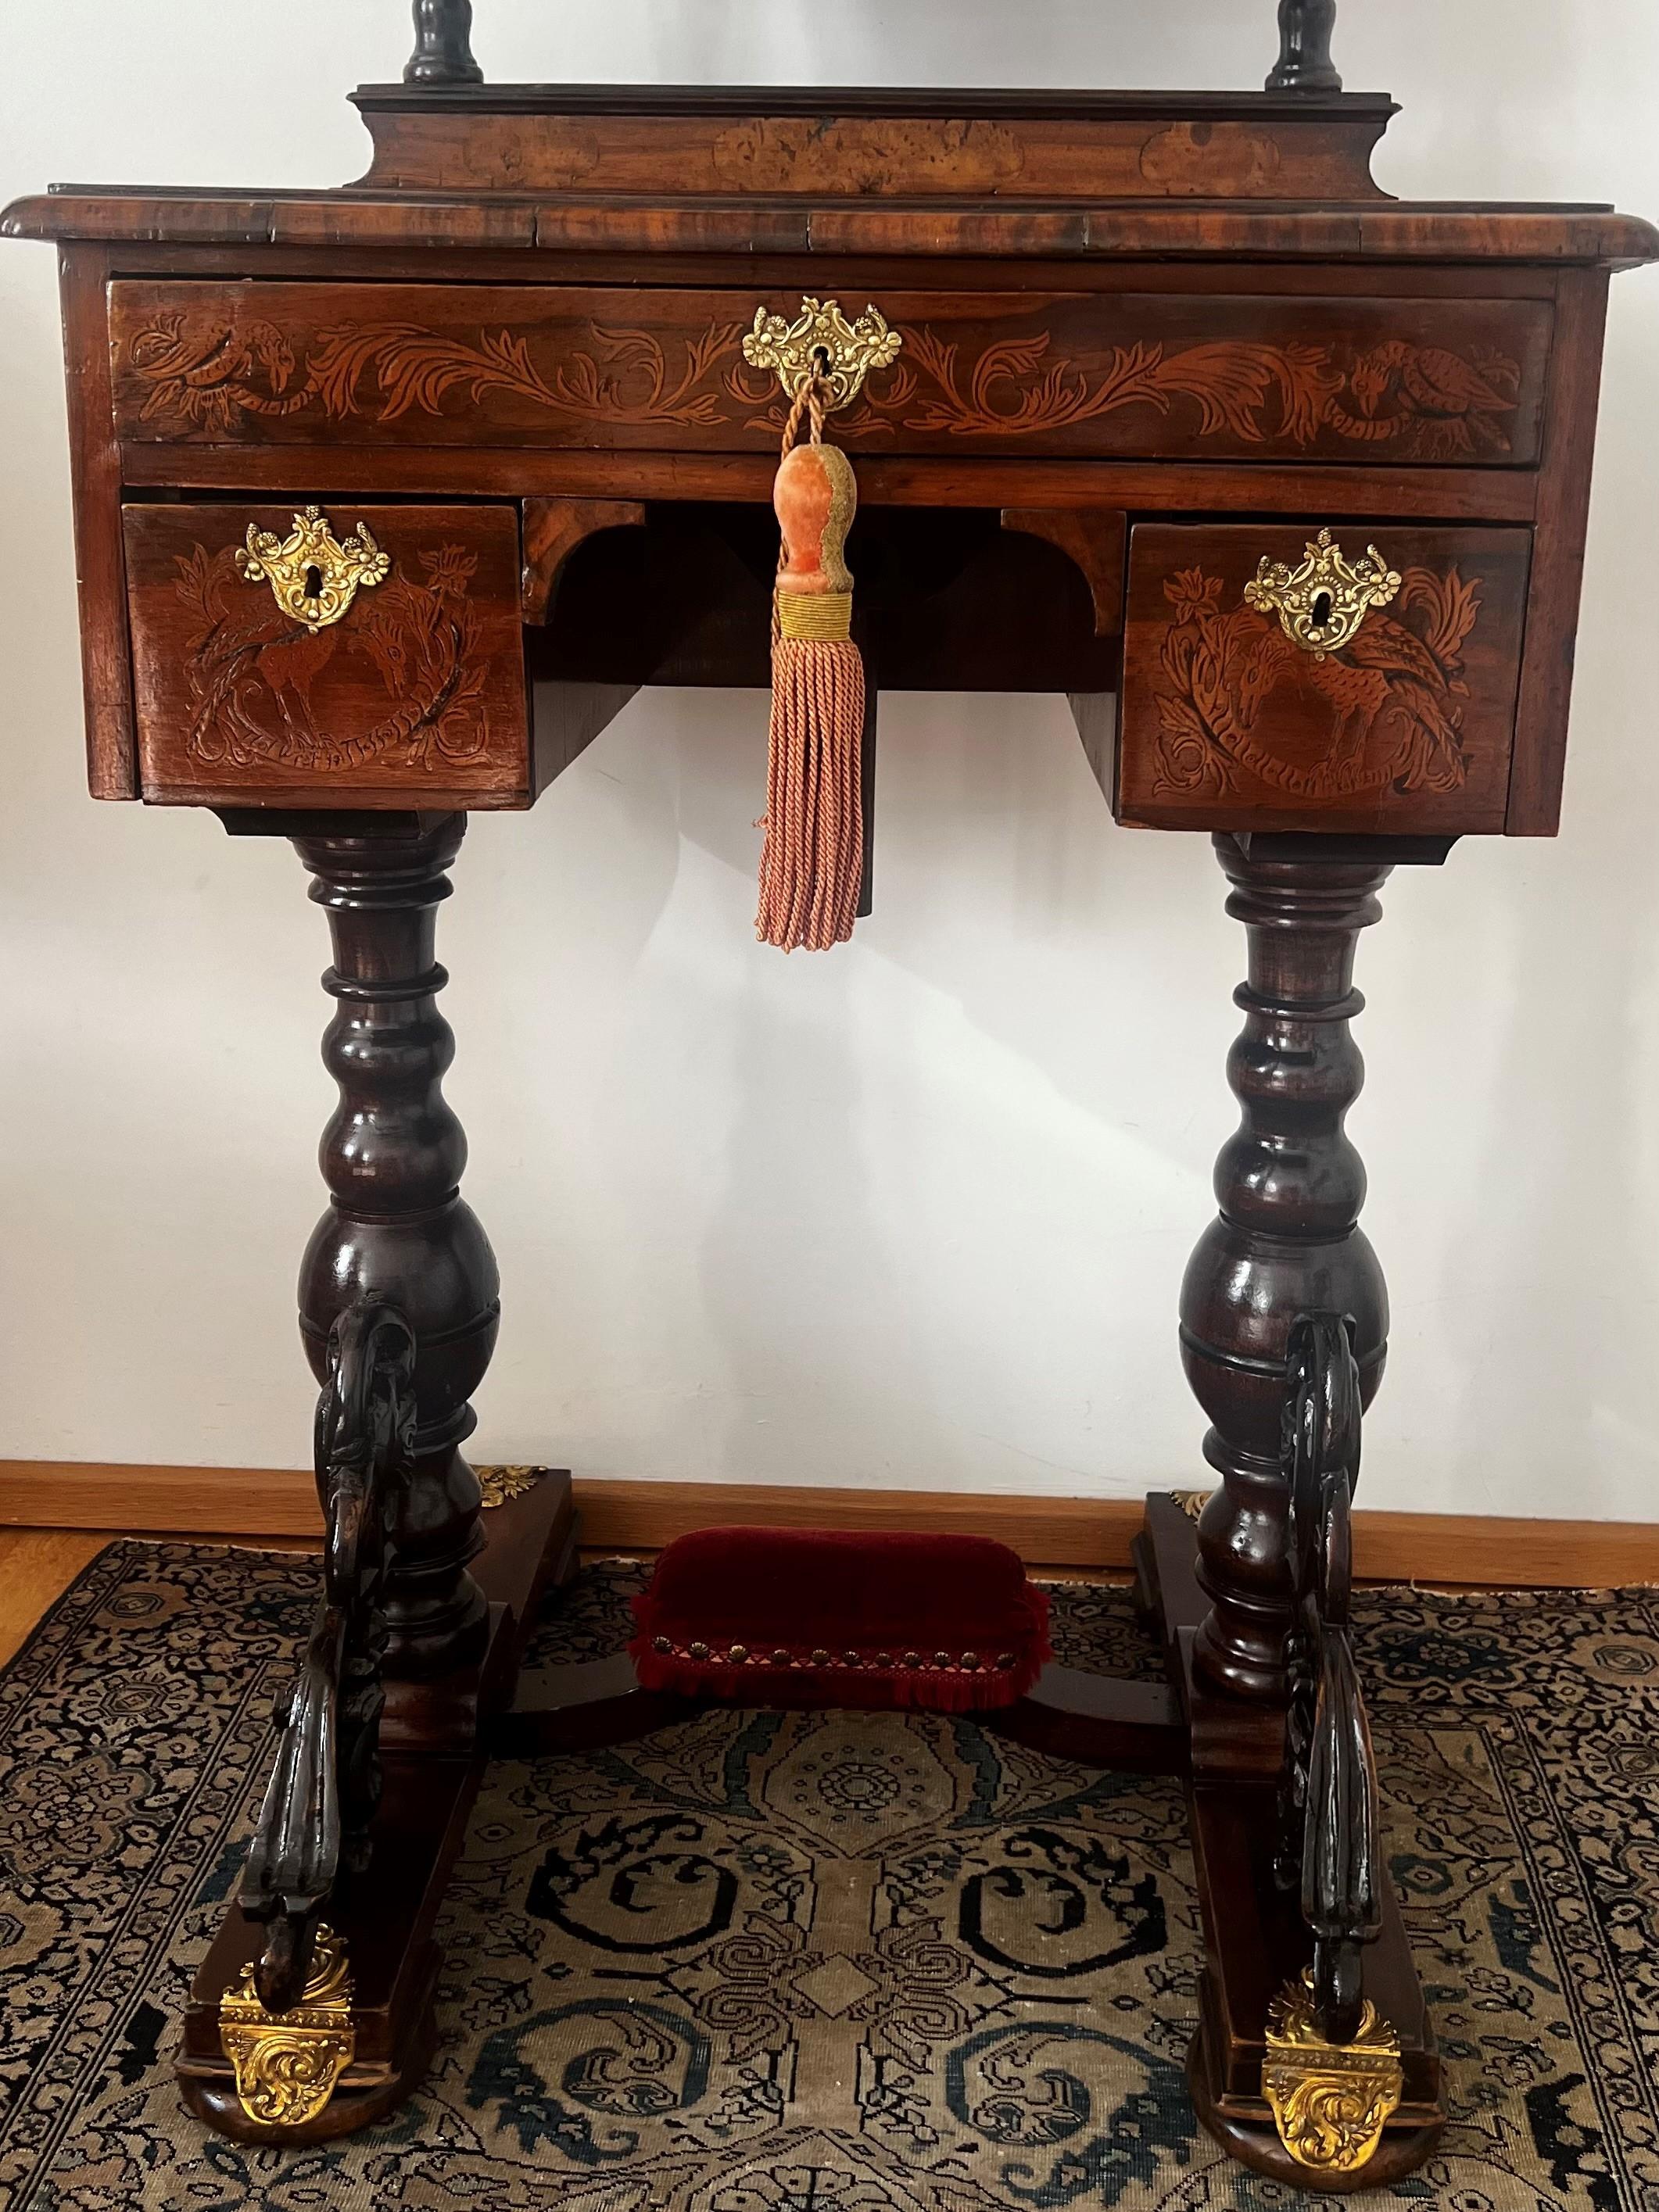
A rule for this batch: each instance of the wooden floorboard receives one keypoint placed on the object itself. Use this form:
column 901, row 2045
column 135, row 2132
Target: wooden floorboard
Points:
column 37, row 1566
column 1064, row 1535
column 1059, row 1538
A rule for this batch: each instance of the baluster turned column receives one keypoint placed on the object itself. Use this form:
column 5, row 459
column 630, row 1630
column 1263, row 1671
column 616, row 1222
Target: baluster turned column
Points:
column 1290, row 1185
column 397, row 1226
column 1305, row 31
column 443, row 45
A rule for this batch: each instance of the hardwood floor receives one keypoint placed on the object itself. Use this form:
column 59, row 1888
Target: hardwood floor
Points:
column 37, row 1566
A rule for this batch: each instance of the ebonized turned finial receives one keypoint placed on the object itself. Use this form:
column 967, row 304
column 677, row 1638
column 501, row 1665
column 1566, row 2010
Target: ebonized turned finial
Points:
column 1304, row 47
column 443, row 45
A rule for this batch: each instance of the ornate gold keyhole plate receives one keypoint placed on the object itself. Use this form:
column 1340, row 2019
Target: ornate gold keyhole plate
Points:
column 822, row 338
column 314, row 576
column 1322, row 605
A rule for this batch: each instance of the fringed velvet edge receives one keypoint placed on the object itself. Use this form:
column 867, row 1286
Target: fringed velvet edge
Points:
column 872, row 1680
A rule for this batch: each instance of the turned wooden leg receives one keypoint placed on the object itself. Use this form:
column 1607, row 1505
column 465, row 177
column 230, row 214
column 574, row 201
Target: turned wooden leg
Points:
column 1286, row 1242
column 396, row 1227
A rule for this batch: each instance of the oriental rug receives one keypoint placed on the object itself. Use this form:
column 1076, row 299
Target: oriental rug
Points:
column 818, row 1963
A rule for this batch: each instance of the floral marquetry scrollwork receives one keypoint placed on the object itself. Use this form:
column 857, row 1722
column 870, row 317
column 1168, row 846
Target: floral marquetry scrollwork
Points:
column 1422, row 403
column 212, row 376
column 1041, row 377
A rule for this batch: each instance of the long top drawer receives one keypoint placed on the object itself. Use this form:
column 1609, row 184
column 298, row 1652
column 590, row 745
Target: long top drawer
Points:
column 1218, row 376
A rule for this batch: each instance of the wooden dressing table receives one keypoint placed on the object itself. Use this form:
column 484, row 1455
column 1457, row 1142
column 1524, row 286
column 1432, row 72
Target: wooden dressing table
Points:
column 388, row 497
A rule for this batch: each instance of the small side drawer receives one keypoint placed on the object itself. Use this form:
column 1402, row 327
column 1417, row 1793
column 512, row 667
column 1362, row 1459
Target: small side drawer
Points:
column 335, row 656
column 1229, row 721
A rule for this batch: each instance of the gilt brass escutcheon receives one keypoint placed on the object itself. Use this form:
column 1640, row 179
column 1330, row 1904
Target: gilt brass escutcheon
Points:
column 842, row 353
column 1330, row 2101
column 314, row 576
column 1322, row 605
column 288, row 2064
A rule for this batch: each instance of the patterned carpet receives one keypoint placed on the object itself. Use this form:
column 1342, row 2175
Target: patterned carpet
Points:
column 816, row 1963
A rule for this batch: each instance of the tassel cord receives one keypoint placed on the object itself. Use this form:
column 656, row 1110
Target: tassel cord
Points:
column 811, row 860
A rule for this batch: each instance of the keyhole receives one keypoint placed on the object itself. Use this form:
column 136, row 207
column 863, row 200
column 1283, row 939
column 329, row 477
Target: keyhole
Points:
column 1323, row 607
column 313, row 582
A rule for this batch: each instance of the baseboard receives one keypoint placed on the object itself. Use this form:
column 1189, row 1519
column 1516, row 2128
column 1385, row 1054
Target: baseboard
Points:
column 1066, row 1533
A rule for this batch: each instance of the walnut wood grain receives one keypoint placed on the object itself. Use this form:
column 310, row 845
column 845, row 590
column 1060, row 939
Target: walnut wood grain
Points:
column 553, row 529
column 1539, row 768
column 106, row 667
column 415, row 698
column 1223, row 378
column 956, row 480
column 889, row 144
column 1096, row 539
column 1446, row 233
column 1227, row 723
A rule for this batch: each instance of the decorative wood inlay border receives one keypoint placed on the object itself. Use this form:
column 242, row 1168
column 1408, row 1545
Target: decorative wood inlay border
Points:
column 1076, row 1534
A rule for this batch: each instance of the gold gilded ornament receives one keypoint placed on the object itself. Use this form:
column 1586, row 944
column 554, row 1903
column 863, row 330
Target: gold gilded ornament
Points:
column 1322, row 605
column 1192, row 1501
column 1330, row 2101
column 314, row 576
column 822, row 339
column 288, row 2064
column 499, row 1484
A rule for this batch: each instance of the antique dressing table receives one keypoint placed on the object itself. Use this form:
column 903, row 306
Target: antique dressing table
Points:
column 388, row 497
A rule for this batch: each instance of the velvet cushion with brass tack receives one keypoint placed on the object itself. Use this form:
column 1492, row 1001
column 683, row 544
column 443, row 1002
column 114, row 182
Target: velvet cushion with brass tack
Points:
column 789, row 1617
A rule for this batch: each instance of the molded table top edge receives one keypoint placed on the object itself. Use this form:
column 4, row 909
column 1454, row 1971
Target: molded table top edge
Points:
column 1187, row 228
column 882, row 102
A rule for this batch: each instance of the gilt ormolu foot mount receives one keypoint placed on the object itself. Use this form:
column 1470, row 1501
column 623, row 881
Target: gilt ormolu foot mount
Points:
column 388, row 498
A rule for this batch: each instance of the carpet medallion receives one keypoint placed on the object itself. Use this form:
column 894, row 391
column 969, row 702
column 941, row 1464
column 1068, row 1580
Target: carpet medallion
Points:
column 817, row 1962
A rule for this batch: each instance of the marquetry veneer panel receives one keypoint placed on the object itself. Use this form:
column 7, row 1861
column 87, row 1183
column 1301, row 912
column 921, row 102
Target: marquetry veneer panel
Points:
column 1228, row 724
column 415, row 696
column 1252, row 377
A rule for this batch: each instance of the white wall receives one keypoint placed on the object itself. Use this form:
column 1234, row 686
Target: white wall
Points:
column 914, row 1214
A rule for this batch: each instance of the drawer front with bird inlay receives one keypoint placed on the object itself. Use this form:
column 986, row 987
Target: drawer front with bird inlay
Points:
column 300, row 655
column 1239, row 377
column 1359, row 679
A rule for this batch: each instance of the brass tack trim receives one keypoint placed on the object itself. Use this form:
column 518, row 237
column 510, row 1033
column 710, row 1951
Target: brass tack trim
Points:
column 739, row 1655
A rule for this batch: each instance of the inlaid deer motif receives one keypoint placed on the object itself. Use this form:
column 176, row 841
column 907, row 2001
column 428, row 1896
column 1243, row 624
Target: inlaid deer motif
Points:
column 1394, row 691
